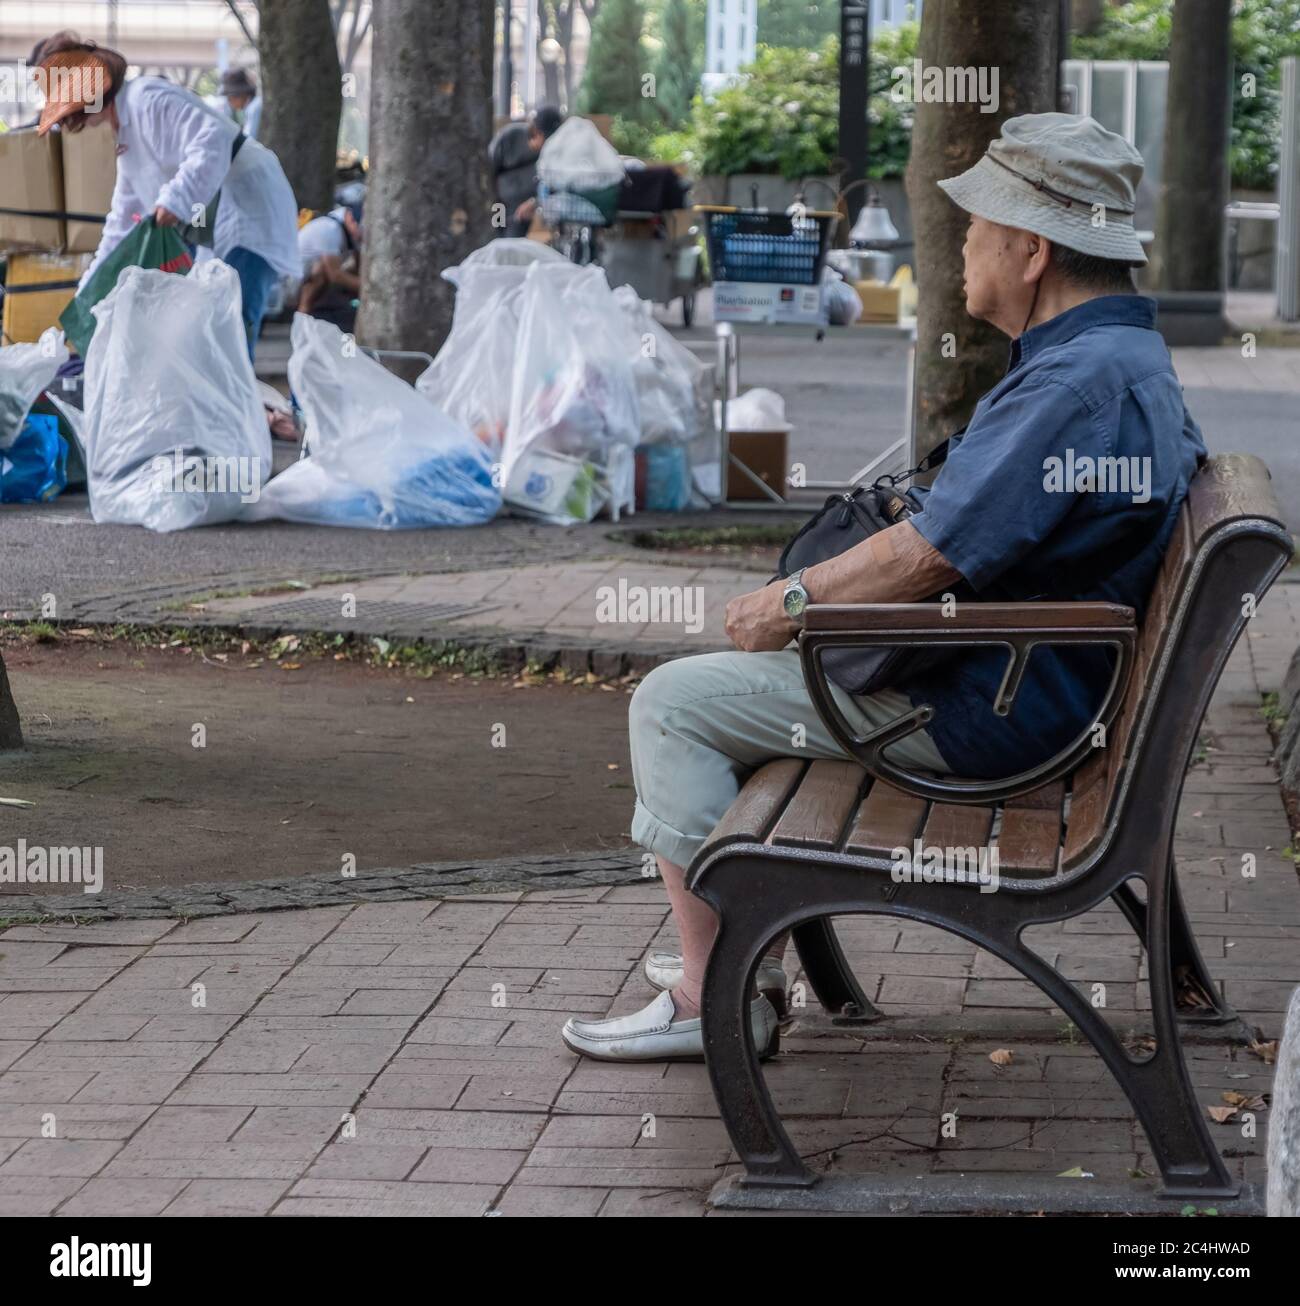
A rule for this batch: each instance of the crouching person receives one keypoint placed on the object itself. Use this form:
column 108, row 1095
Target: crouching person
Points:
column 1089, row 385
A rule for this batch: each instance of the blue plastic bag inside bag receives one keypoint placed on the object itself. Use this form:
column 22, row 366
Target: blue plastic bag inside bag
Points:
column 35, row 467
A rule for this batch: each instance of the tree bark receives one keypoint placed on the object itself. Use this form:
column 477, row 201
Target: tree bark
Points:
column 430, row 195
column 302, row 95
column 11, row 732
column 1020, row 42
column 1194, row 189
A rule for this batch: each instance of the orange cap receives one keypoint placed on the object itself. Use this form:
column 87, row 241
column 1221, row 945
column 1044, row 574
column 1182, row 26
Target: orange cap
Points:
column 74, row 80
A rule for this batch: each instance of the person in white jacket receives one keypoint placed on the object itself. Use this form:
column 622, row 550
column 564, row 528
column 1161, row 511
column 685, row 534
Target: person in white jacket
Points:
column 174, row 155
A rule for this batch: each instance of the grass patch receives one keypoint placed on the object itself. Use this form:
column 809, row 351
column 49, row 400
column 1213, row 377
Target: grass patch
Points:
column 712, row 539
column 290, row 651
column 1270, row 709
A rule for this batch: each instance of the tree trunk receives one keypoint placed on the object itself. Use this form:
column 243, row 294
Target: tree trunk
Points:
column 1020, row 42
column 1194, row 189
column 430, row 195
column 302, row 95
column 11, row 733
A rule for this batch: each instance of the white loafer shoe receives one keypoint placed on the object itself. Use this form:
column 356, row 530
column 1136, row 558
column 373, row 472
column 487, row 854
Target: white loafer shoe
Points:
column 655, row 1033
column 663, row 970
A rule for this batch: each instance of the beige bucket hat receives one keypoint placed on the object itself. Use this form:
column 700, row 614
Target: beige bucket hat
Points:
column 1046, row 172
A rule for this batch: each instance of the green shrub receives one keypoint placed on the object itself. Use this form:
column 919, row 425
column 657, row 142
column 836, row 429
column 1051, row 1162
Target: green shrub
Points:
column 783, row 116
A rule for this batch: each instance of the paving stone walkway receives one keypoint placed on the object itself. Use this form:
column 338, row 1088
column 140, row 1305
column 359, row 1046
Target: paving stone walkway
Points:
column 403, row 1057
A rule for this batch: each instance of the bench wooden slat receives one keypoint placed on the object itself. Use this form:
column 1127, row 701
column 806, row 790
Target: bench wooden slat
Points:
column 1088, row 798
column 758, row 804
column 957, row 825
column 887, row 819
column 1030, row 837
column 822, row 806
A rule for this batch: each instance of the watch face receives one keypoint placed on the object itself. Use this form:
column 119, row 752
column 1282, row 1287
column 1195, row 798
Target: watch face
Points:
column 795, row 601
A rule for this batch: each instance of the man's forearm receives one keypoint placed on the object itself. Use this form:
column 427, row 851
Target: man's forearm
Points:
column 897, row 565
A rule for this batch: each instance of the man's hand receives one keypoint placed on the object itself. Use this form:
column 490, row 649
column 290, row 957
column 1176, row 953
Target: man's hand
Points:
column 525, row 211
column 165, row 217
column 756, row 623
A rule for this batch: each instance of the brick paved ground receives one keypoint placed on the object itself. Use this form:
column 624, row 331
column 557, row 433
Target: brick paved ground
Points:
column 121, row 1093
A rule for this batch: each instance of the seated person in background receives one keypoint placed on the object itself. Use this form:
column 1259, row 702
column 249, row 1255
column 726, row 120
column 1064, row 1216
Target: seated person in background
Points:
column 330, row 247
column 244, row 105
column 514, row 165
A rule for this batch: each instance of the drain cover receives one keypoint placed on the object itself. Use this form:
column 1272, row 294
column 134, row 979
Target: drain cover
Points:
column 372, row 617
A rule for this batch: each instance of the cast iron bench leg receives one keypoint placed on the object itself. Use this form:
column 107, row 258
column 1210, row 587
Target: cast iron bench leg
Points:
column 830, row 976
column 1158, row 1087
column 743, row 1100
column 1188, row 967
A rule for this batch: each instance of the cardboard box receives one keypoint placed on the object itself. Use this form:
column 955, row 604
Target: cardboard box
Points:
column 769, row 302
column 31, row 181
column 38, row 289
column 880, row 303
column 766, row 454
column 89, row 173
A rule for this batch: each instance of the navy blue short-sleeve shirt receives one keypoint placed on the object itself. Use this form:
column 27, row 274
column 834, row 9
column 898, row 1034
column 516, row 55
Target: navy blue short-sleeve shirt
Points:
column 1066, row 484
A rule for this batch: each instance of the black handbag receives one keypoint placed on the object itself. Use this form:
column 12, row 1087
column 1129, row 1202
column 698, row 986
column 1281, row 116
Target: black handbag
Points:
column 846, row 520
column 849, row 518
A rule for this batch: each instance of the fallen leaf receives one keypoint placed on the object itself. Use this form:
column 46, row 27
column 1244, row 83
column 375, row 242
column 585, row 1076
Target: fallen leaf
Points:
column 82, row 630
column 290, row 666
column 1266, row 1052
column 1077, row 1172
column 611, row 766
column 1221, row 1114
column 15, row 802
column 1243, row 1101
column 1001, row 1057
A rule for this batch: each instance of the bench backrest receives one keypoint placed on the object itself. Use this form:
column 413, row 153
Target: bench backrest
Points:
column 1230, row 542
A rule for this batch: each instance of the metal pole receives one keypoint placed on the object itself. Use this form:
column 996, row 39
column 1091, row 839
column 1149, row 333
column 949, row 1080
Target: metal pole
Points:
column 855, row 42
column 1288, row 193
column 504, row 100
column 530, row 56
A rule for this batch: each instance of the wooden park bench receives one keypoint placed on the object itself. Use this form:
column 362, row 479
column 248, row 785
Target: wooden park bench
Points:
column 805, row 842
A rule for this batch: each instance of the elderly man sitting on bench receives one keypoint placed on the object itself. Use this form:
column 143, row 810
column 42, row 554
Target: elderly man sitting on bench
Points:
column 1048, row 260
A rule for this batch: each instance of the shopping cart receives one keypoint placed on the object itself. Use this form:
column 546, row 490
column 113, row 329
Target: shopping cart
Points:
column 751, row 245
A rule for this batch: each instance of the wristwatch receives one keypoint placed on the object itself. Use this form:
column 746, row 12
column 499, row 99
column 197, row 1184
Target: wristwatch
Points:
column 795, row 598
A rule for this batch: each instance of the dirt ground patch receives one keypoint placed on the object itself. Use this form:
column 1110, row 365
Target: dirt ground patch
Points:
column 302, row 767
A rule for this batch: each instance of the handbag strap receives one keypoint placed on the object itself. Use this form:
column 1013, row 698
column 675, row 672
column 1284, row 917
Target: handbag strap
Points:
column 935, row 458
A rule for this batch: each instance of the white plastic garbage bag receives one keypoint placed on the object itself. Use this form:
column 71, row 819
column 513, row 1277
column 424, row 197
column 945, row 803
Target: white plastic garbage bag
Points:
column 757, row 410
column 504, row 252
column 673, row 386
column 26, row 370
column 175, row 433
column 577, row 157
column 843, row 303
column 382, row 455
column 470, row 378
column 573, row 390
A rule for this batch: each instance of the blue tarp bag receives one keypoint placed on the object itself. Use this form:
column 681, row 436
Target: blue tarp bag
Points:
column 35, row 467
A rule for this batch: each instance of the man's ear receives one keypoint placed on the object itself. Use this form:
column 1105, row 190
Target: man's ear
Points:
column 1038, row 254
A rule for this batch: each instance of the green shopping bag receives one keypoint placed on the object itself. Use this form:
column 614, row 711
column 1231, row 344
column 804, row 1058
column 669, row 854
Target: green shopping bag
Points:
column 148, row 246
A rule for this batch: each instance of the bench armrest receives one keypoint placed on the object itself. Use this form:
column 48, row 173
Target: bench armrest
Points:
column 1017, row 627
